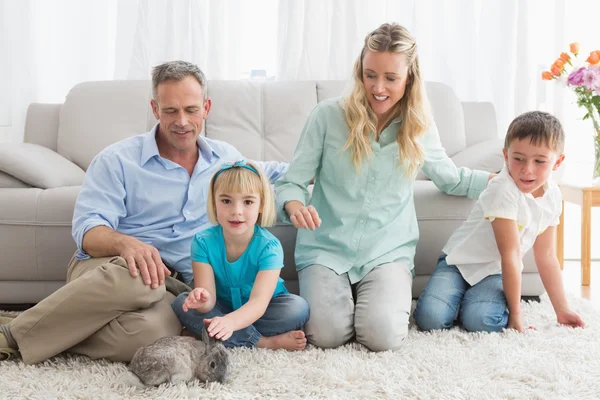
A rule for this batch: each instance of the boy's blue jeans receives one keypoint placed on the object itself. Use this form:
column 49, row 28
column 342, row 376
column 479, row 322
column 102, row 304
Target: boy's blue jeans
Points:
column 447, row 297
column 286, row 312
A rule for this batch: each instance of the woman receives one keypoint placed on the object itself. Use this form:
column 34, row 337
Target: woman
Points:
column 355, row 254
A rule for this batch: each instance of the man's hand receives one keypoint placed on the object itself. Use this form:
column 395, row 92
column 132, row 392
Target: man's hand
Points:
column 220, row 327
column 570, row 318
column 146, row 258
column 196, row 299
column 303, row 217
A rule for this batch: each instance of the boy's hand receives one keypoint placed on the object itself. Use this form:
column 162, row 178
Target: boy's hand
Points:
column 570, row 318
column 515, row 321
column 220, row 327
column 196, row 299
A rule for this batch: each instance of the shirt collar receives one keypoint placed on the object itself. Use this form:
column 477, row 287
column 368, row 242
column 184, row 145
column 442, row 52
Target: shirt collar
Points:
column 150, row 148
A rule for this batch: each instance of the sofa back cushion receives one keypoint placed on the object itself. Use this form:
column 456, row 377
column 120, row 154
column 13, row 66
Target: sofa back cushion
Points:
column 262, row 119
column 97, row 114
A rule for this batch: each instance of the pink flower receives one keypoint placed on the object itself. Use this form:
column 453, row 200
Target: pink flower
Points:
column 591, row 78
column 576, row 77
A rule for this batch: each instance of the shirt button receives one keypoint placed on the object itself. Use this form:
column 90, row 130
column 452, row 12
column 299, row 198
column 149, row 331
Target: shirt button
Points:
column 372, row 178
column 362, row 221
column 368, row 201
column 186, row 212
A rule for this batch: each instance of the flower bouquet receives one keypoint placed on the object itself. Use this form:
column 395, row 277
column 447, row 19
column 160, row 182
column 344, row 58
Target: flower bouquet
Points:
column 584, row 79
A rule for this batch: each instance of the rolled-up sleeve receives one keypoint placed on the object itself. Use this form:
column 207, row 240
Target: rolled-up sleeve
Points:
column 305, row 162
column 101, row 201
column 445, row 175
column 273, row 169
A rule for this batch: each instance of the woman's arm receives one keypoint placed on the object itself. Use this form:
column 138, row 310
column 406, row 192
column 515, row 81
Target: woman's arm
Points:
column 544, row 252
column 444, row 174
column 293, row 186
column 506, row 232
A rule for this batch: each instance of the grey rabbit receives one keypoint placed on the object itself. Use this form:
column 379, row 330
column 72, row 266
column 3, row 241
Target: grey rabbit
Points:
column 178, row 359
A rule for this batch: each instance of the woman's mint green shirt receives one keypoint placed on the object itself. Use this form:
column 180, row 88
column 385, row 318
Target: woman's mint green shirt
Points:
column 368, row 218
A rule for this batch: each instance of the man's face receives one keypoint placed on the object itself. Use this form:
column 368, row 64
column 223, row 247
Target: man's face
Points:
column 181, row 110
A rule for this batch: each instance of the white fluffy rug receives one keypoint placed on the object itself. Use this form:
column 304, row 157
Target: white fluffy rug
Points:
column 550, row 363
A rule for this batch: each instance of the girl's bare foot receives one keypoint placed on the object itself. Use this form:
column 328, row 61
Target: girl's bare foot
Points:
column 292, row 340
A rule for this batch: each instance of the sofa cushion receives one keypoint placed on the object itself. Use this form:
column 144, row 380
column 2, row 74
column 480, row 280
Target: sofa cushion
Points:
column 9, row 181
column 261, row 119
column 84, row 130
column 39, row 166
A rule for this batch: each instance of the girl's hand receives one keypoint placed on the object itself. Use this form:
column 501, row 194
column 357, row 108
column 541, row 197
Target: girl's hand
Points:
column 570, row 318
column 303, row 217
column 196, row 299
column 220, row 327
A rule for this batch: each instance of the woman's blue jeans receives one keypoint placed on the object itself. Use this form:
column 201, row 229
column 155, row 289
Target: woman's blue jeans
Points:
column 286, row 312
column 447, row 297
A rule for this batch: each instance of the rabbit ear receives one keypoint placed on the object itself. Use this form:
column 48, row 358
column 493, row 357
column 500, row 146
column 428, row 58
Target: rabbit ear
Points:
column 209, row 341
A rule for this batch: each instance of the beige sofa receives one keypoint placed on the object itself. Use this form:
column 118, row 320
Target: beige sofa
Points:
column 40, row 178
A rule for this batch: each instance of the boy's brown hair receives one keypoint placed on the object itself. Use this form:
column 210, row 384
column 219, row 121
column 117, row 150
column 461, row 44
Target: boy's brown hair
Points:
column 540, row 127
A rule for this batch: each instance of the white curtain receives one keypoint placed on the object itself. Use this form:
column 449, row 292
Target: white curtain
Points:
column 46, row 47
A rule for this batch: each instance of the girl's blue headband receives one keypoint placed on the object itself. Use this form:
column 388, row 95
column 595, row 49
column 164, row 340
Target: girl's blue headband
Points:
column 237, row 164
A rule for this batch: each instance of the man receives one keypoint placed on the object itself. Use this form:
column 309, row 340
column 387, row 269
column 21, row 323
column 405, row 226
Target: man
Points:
column 141, row 202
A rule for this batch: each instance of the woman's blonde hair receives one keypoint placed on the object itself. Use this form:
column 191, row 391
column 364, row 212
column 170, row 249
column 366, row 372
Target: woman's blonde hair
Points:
column 243, row 180
column 413, row 108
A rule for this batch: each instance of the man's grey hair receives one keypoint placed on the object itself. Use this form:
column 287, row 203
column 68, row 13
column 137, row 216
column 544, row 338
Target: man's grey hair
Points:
column 176, row 71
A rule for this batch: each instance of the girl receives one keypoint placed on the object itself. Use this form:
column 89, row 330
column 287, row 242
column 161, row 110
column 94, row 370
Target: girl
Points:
column 355, row 253
column 238, row 292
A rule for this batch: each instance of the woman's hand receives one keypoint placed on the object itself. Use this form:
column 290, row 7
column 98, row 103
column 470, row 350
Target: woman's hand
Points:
column 303, row 217
column 220, row 327
column 196, row 299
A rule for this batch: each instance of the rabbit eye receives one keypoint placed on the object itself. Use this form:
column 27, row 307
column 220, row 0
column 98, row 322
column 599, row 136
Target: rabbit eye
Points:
column 213, row 364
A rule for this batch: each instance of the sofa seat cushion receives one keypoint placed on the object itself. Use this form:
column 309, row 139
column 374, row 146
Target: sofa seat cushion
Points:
column 35, row 233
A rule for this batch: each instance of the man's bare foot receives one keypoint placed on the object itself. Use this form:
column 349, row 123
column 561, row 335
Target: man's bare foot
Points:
column 292, row 340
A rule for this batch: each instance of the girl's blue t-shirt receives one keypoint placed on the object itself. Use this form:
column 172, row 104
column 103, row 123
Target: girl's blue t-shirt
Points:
column 234, row 280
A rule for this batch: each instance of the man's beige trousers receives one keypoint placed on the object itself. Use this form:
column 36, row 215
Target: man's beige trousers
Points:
column 102, row 312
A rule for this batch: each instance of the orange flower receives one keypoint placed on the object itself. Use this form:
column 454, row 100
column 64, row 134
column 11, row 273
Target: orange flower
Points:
column 574, row 47
column 565, row 57
column 555, row 70
column 559, row 63
column 547, row 76
column 594, row 57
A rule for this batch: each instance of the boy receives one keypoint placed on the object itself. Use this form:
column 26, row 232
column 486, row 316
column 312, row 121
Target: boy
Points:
column 478, row 276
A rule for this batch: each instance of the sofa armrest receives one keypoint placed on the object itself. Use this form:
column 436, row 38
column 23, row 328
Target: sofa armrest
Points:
column 484, row 156
column 39, row 166
column 41, row 124
column 480, row 122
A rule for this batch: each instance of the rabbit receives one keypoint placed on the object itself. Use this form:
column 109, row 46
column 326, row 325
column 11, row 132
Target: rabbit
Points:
column 178, row 359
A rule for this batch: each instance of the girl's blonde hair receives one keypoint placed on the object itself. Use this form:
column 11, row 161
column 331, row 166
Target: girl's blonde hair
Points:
column 243, row 180
column 413, row 108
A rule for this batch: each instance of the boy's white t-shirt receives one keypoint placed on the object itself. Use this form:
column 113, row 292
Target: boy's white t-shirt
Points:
column 473, row 249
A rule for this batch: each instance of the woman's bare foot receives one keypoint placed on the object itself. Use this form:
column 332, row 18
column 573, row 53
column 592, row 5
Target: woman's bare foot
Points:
column 292, row 340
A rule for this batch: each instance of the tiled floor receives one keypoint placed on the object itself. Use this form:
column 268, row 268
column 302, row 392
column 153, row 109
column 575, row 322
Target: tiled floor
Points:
column 572, row 280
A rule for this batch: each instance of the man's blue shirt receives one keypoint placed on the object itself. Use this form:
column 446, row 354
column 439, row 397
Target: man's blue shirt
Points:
column 130, row 188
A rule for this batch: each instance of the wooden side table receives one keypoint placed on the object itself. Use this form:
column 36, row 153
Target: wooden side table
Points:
column 586, row 196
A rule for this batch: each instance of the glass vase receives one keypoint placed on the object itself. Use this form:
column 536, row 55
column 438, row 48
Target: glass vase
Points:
column 595, row 117
column 596, row 176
